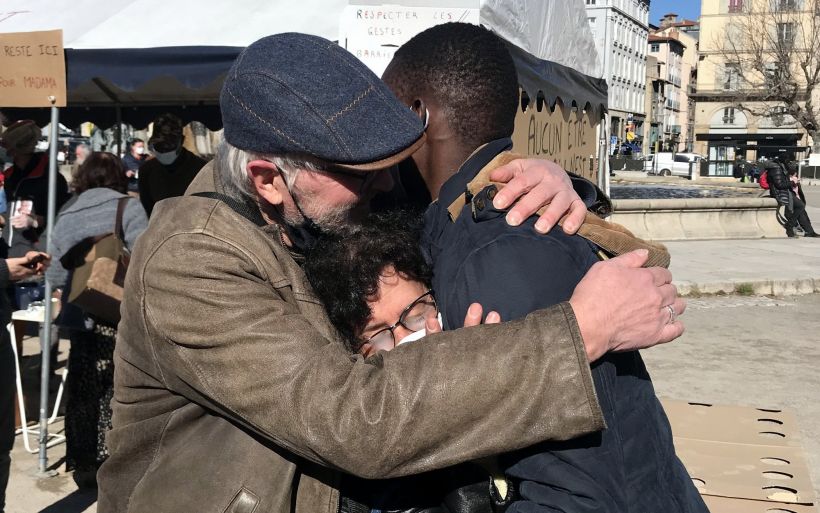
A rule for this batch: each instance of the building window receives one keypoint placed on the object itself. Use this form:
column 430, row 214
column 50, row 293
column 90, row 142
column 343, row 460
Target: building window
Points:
column 772, row 74
column 785, row 33
column 735, row 5
column 729, row 116
column 731, row 76
column 655, row 47
column 590, row 2
column 786, row 5
column 778, row 115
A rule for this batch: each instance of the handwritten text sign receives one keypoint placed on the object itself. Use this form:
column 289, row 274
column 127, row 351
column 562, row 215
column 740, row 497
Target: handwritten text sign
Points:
column 564, row 136
column 32, row 68
column 373, row 33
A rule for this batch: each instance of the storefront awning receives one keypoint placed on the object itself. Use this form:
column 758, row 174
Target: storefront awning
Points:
column 742, row 136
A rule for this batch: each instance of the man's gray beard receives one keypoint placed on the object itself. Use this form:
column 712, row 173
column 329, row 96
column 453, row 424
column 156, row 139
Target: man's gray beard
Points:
column 327, row 219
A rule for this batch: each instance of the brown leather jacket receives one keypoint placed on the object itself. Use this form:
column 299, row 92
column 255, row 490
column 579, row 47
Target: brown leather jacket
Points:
column 233, row 393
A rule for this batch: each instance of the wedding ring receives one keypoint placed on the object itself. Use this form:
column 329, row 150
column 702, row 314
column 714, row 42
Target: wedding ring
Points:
column 671, row 313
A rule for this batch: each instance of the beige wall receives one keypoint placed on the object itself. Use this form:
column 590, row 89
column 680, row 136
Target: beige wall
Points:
column 716, row 25
column 687, row 63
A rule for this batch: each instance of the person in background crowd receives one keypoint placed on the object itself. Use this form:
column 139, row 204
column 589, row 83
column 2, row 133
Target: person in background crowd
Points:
column 99, row 183
column 800, row 201
column 781, row 188
column 12, row 269
column 173, row 167
column 26, row 183
column 81, row 152
column 135, row 157
column 3, row 209
column 228, row 370
column 26, row 189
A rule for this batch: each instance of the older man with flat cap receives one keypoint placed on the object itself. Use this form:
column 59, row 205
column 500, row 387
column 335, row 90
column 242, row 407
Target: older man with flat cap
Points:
column 232, row 392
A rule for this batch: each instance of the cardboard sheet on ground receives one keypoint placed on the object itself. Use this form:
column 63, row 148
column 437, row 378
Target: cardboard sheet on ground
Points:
column 734, row 424
column 742, row 459
column 724, row 505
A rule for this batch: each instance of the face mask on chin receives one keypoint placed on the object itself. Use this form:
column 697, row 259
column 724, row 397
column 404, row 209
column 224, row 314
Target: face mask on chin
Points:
column 167, row 158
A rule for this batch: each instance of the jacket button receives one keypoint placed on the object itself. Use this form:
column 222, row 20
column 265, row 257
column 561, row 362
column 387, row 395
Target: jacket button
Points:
column 491, row 193
column 479, row 204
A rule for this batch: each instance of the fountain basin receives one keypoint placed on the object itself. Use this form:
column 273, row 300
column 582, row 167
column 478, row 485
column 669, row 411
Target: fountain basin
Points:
column 699, row 218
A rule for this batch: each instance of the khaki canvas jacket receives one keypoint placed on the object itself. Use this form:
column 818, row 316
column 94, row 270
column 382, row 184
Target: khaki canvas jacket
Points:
column 234, row 394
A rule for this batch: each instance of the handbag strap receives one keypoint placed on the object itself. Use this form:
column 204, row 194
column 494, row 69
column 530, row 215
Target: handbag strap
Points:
column 119, row 231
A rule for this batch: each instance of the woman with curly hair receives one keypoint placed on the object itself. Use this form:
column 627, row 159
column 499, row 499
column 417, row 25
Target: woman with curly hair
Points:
column 375, row 285
column 99, row 184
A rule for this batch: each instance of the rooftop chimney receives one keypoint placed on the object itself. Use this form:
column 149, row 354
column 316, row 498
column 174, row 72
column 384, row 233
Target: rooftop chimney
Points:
column 669, row 19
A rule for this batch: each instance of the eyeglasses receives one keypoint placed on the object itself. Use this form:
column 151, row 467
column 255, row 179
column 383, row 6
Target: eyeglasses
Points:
column 413, row 318
column 365, row 178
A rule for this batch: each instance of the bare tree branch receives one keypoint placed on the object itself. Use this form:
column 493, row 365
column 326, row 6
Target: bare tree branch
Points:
column 771, row 60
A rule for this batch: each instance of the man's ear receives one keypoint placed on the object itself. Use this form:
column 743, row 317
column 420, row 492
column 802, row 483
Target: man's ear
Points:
column 267, row 180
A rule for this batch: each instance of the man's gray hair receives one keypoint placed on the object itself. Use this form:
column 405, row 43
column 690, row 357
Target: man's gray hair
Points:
column 232, row 164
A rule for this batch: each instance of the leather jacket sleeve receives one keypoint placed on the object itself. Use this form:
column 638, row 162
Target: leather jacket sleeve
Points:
column 223, row 336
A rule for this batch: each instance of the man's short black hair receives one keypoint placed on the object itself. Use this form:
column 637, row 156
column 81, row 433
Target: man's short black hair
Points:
column 344, row 268
column 468, row 71
column 134, row 141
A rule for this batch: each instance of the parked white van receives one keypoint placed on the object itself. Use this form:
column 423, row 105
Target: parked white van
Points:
column 668, row 164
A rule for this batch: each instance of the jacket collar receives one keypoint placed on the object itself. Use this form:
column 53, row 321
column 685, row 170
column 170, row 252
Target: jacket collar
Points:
column 457, row 184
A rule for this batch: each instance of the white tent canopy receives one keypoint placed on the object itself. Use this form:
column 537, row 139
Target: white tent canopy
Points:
column 149, row 55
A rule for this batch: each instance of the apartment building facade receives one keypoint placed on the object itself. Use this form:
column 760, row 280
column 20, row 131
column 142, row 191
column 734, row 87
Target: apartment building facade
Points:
column 620, row 29
column 723, row 132
column 654, row 105
column 677, row 53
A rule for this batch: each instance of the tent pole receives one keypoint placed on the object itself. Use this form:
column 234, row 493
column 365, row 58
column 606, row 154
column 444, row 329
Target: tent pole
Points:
column 45, row 340
column 603, row 155
column 118, row 111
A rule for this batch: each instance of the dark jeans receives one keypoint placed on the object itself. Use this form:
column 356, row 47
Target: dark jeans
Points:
column 798, row 216
column 7, row 391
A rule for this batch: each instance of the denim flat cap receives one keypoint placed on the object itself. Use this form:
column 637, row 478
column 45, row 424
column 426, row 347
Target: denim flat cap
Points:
column 300, row 94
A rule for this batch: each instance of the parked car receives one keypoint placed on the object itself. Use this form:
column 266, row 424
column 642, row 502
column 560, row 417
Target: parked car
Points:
column 669, row 164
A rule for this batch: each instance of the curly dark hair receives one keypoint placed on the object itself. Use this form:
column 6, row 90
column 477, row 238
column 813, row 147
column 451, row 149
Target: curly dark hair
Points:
column 100, row 169
column 468, row 71
column 344, row 268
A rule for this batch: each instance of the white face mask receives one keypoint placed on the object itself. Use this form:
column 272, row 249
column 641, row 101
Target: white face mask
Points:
column 417, row 334
column 413, row 336
column 167, row 158
column 139, row 150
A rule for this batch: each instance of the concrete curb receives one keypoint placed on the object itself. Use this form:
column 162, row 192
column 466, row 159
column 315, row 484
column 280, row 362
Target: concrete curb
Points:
column 764, row 287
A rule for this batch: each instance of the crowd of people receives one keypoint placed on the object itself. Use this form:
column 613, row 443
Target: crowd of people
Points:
column 347, row 310
column 86, row 208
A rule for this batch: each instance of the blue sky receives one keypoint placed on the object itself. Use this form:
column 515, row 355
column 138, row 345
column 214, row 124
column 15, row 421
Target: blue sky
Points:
column 683, row 8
